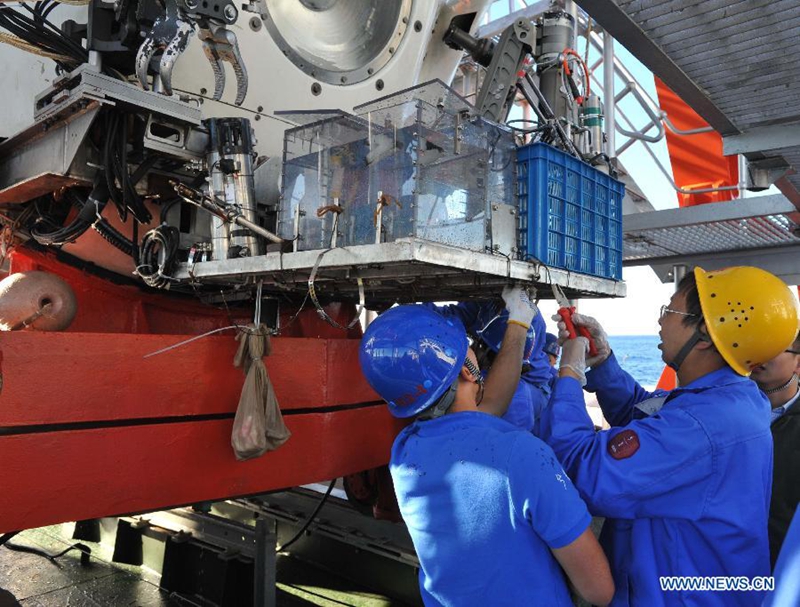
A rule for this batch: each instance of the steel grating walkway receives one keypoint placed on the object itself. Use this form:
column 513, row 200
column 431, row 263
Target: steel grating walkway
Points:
column 715, row 234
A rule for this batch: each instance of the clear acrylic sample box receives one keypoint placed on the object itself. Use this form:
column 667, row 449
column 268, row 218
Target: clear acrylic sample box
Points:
column 414, row 164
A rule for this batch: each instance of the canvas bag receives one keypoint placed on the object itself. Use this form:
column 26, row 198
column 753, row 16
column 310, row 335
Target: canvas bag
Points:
column 258, row 426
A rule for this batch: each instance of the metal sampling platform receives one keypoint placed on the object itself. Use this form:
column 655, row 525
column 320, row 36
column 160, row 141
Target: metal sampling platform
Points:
column 406, row 270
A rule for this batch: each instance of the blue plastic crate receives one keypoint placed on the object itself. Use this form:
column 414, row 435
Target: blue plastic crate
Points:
column 570, row 213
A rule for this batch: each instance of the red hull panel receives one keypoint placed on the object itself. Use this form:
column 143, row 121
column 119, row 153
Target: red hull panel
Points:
column 78, row 474
column 105, row 307
column 88, row 427
column 51, row 378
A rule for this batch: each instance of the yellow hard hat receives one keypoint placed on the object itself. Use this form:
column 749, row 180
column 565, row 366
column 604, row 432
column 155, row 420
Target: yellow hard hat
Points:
column 751, row 315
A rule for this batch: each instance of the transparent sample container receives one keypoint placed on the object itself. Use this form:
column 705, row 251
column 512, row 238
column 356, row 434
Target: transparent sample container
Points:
column 415, row 164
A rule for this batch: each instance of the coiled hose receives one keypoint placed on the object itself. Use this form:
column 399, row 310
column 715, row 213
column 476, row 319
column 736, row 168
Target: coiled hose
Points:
column 158, row 256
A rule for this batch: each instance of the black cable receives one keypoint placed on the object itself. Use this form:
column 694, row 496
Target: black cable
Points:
column 114, row 237
column 77, row 49
column 143, row 167
column 89, row 209
column 310, row 519
column 85, row 552
column 134, row 243
column 167, row 206
column 41, row 33
column 120, row 183
column 112, row 119
column 158, row 256
column 7, row 536
column 537, row 128
column 492, row 150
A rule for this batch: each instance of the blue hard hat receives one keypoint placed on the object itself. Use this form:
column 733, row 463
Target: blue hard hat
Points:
column 491, row 328
column 551, row 346
column 411, row 355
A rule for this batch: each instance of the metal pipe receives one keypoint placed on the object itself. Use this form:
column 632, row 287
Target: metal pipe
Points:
column 742, row 176
column 677, row 131
column 608, row 90
column 254, row 227
column 219, row 209
column 668, row 176
column 631, row 86
column 532, row 103
column 619, row 67
column 631, row 140
column 572, row 10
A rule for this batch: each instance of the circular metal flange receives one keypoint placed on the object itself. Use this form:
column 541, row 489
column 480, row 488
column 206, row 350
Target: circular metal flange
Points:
column 338, row 41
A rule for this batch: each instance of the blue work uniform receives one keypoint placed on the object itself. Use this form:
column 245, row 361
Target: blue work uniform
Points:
column 533, row 391
column 484, row 503
column 553, row 378
column 683, row 478
column 787, row 569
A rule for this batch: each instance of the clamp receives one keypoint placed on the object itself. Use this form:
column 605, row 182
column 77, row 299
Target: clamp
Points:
column 220, row 44
column 170, row 34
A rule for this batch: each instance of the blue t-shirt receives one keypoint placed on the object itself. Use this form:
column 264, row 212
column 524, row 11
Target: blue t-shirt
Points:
column 484, row 502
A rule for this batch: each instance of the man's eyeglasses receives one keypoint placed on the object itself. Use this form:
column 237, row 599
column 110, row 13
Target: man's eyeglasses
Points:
column 790, row 351
column 665, row 310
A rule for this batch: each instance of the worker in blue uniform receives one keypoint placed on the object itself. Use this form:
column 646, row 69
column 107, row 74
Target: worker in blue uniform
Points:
column 683, row 476
column 553, row 350
column 490, row 511
column 779, row 379
column 487, row 324
column 787, row 570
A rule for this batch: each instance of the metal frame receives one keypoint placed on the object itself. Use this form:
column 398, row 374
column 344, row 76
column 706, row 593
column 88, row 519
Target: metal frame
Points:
column 768, row 219
column 496, row 27
column 773, row 137
column 236, row 538
column 616, row 21
column 90, row 84
column 408, row 269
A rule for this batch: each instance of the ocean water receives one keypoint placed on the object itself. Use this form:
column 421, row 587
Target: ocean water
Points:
column 639, row 355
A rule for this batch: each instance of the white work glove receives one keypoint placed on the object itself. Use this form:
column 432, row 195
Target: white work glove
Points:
column 599, row 337
column 573, row 357
column 521, row 310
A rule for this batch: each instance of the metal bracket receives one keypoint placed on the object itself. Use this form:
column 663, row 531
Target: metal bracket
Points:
column 497, row 93
column 763, row 173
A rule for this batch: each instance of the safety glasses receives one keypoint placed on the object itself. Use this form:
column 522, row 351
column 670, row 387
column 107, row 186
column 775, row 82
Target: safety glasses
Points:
column 665, row 310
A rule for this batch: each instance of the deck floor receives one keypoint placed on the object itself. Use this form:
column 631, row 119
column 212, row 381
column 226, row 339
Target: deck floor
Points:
column 30, row 580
